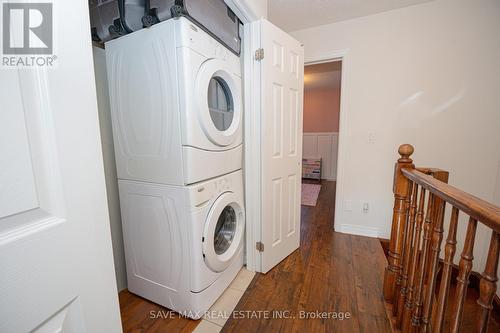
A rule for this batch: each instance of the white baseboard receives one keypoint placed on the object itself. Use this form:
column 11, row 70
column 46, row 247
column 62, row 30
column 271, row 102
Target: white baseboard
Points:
column 360, row 230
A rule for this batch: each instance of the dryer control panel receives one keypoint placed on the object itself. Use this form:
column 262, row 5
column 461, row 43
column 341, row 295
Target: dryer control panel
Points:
column 189, row 35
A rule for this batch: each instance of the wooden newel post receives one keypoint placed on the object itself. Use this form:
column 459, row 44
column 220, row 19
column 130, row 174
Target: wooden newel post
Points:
column 401, row 191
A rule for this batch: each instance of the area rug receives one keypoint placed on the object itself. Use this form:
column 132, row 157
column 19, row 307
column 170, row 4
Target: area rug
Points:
column 310, row 193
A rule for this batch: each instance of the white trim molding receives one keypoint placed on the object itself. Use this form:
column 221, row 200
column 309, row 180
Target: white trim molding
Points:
column 243, row 10
column 252, row 160
column 360, row 230
column 344, row 125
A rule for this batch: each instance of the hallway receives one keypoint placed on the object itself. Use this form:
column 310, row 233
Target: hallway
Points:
column 332, row 273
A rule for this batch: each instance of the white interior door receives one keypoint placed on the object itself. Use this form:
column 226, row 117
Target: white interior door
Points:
column 282, row 80
column 56, row 264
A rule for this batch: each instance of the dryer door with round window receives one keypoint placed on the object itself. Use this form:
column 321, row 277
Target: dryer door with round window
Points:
column 223, row 232
column 219, row 102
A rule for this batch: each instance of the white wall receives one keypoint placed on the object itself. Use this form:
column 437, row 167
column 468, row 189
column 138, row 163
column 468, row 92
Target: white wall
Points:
column 109, row 166
column 428, row 75
column 259, row 7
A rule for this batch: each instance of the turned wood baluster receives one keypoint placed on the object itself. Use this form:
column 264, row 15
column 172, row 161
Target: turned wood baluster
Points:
column 449, row 254
column 406, row 323
column 438, row 206
column 422, row 265
column 408, row 251
column 399, row 279
column 488, row 284
column 400, row 189
column 465, row 267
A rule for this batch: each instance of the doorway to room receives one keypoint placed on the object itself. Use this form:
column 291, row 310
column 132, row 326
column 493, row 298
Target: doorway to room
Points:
column 322, row 91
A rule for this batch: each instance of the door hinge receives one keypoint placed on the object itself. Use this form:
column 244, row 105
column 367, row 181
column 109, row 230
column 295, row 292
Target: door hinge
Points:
column 259, row 54
column 259, row 246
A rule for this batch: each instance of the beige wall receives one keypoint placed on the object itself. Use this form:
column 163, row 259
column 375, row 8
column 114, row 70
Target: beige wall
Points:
column 428, row 75
column 496, row 195
column 321, row 110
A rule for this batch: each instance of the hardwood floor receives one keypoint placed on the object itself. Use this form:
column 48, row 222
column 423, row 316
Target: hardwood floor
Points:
column 330, row 272
column 471, row 312
column 140, row 315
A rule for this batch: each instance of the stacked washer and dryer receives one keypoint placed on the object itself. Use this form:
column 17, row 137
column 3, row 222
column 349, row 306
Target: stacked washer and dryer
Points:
column 176, row 104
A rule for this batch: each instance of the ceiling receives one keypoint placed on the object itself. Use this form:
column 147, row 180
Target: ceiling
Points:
column 292, row 15
column 322, row 76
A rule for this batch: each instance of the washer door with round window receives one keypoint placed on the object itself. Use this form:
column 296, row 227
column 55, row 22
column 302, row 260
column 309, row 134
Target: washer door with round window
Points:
column 219, row 102
column 223, row 233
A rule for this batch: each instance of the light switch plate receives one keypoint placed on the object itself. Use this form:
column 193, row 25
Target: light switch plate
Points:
column 371, row 137
column 348, row 205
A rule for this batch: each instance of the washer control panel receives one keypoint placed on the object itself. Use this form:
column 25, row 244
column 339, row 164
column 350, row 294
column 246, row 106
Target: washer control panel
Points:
column 207, row 191
column 223, row 185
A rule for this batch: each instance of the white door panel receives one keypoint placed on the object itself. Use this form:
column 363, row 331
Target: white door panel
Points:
column 55, row 247
column 282, row 72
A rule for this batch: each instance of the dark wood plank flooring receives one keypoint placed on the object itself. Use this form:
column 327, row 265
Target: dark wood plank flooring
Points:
column 471, row 312
column 330, row 272
column 140, row 315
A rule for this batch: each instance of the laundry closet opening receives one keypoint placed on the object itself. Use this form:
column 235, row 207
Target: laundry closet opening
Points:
column 170, row 105
column 322, row 90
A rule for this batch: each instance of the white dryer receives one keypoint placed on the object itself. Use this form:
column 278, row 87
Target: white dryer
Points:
column 176, row 104
column 183, row 244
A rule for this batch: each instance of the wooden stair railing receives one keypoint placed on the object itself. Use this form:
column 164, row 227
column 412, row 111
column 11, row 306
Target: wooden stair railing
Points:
column 421, row 196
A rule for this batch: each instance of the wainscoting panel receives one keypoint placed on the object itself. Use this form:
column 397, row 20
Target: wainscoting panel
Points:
column 324, row 145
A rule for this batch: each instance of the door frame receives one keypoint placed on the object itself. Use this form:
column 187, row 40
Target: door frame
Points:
column 344, row 125
column 251, row 131
column 251, row 152
column 244, row 12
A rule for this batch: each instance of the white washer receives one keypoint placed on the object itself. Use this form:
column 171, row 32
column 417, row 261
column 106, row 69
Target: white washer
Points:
column 183, row 244
column 176, row 104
